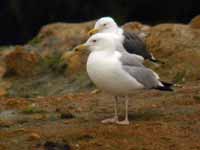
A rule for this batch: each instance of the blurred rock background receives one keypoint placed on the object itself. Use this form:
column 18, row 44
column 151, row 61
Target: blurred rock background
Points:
column 47, row 64
column 37, row 57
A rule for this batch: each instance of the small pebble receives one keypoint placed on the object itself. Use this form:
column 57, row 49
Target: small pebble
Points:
column 34, row 136
column 66, row 115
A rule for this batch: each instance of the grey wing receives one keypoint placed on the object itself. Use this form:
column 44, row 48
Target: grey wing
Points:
column 145, row 76
column 131, row 60
column 133, row 44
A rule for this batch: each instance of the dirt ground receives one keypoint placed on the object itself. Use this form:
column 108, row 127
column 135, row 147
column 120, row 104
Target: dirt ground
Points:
column 159, row 121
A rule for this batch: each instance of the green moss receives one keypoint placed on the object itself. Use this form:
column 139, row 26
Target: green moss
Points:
column 35, row 41
column 179, row 77
column 3, row 47
column 53, row 117
column 82, row 81
column 53, row 64
column 33, row 110
column 50, row 80
column 197, row 98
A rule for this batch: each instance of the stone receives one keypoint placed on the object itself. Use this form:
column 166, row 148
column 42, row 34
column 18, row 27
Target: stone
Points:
column 3, row 92
column 195, row 22
column 76, row 61
column 2, row 70
column 66, row 115
column 62, row 37
column 178, row 46
column 34, row 136
column 140, row 29
column 49, row 145
column 21, row 62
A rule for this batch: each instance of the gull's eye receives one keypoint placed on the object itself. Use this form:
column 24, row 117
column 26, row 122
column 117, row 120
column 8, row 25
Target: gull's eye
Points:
column 94, row 41
column 104, row 24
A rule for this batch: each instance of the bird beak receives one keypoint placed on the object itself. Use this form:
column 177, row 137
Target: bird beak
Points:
column 93, row 31
column 81, row 47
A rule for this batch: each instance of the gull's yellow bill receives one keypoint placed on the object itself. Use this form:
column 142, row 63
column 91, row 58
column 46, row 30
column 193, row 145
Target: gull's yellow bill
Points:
column 81, row 47
column 92, row 32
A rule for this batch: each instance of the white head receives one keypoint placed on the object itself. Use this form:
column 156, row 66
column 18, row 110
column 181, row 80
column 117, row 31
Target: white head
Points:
column 99, row 42
column 105, row 25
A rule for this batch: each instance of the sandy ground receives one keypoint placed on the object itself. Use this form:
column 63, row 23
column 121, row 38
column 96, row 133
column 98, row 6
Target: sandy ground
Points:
column 159, row 121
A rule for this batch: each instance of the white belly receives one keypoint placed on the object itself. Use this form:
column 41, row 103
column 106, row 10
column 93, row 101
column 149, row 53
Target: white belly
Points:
column 107, row 74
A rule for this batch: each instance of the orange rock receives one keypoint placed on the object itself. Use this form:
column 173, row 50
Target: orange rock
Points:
column 61, row 37
column 140, row 29
column 21, row 62
column 178, row 46
column 3, row 91
column 2, row 70
column 34, row 136
column 76, row 61
column 195, row 22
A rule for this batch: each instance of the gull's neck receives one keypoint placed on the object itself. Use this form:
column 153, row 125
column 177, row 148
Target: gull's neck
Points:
column 106, row 52
column 120, row 31
column 116, row 30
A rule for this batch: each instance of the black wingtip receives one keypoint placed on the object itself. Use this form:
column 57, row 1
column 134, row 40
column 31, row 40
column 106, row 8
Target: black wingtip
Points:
column 156, row 61
column 166, row 86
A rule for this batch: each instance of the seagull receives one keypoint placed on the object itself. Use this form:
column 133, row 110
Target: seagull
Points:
column 129, row 41
column 118, row 73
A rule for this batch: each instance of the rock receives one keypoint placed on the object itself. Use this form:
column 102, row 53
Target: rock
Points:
column 179, row 46
column 60, row 37
column 21, row 62
column 2, row 70
column 95, row 91
column 76, row 61
column 140, row 29
column 4, row 86
column 34, row 136
column 49, row 145
column 4, row 51
column 6, row 123
column 3, row 92
column 195, row 22
column 66, row 115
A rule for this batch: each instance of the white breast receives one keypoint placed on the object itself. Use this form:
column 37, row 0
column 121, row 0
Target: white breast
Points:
column 105, row 70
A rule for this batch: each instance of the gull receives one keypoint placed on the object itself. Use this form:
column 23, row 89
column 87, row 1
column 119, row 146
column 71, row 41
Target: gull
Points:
column 118, row 73
column 128, row 41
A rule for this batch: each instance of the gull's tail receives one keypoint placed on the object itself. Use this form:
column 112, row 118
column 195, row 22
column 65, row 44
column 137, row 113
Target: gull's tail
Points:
column 166, row 86
column 153, row 59
column 156, row 61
